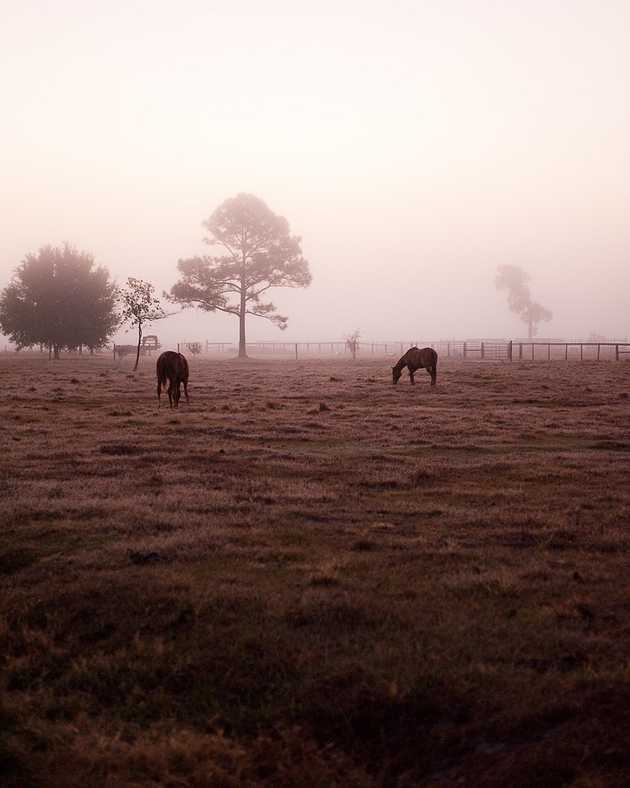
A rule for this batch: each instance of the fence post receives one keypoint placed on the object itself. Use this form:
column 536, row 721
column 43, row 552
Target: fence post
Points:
column 548, row 351
column 510, row 350
column 598, row 348
column 464, row 349
column 448, row 349
column 115, row 352
column 482, row 350
column 566, row 352
column 616, row 352
column 581, row 352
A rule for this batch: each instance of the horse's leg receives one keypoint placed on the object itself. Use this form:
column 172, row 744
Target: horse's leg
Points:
column 411, row 371
column 433, row 372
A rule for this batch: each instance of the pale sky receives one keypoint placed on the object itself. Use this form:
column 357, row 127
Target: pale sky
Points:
column 414, row 146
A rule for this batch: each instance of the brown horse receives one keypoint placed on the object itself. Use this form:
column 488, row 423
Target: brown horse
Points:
column 174, row 367
column 415, row 359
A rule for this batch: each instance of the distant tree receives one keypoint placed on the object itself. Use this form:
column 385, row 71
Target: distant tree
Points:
column 59, row 299
column 352, row 342
column 258, row 253
column 139, row 306
column 515, row 280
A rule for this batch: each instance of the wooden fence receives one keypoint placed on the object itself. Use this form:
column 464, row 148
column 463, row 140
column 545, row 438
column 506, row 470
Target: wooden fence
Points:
column 466, row 350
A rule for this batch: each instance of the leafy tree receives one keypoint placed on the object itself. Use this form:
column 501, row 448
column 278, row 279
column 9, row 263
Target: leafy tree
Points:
column 257, row 253
column 139, row 306
column 59, row 299
column 515, row 280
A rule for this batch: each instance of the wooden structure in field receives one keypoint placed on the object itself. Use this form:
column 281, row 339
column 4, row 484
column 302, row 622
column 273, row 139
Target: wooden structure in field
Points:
column 120, row 351
column 149, row 343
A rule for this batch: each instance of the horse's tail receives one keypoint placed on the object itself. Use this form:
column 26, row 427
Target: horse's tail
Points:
column 184, row 368
column 160, row 372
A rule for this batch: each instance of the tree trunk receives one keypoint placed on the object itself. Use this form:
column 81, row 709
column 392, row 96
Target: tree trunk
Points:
column 242, row 347
column 138, row 350
column 56, row 352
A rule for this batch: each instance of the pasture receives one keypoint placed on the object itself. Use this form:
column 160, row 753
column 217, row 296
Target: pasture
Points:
column 310, row 577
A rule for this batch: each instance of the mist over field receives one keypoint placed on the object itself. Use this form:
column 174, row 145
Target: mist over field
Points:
column 258, row 567
column 414, row 150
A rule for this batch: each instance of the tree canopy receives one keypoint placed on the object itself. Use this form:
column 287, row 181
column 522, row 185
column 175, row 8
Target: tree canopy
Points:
column 59, row 298
column 515, row 280
column 257, row 252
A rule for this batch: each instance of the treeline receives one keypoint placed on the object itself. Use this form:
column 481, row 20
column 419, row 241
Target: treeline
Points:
column 60, row 299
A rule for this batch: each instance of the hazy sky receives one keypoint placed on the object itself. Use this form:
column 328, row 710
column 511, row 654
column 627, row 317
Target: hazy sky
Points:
column 413, row 145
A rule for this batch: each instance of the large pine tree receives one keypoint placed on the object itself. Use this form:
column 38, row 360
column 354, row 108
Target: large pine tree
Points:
column 257, row 253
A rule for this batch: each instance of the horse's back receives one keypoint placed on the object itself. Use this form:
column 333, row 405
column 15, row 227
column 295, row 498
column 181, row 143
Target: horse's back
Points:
column 171, row 365
column 422, row 358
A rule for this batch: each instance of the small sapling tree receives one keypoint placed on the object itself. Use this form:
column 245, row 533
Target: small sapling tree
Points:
column 139, row 306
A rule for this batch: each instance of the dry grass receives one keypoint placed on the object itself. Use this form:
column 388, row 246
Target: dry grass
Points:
column 309, row 577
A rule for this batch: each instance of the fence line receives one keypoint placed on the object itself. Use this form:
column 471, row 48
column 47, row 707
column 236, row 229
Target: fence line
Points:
column 467, row 350
column 507, row 350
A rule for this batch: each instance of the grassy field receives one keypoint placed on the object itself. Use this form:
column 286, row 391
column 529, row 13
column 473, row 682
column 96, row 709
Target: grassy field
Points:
column 310, row 577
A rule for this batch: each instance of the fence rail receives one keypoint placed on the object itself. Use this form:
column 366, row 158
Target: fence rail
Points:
column 467, row 350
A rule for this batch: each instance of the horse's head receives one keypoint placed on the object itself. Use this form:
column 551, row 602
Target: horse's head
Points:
column 396, row 373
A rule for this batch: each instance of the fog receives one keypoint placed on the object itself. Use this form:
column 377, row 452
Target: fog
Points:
column 414, row 148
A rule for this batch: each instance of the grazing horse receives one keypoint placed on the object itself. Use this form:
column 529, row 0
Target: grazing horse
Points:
column 174, row 367
column 415, row 359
